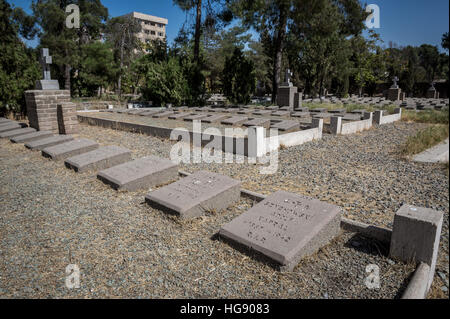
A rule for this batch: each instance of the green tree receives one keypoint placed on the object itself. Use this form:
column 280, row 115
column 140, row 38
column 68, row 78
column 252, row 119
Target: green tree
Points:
column 238, row 78
column 430, row 60
column 98, row 69
column 121, row 34
column 445, row 41
column 64, row 43
column 18, row 64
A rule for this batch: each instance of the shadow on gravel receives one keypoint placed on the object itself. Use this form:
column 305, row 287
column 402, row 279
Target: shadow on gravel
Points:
column 367, row 246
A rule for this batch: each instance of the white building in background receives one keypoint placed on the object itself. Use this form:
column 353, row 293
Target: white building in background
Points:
column 152, row 27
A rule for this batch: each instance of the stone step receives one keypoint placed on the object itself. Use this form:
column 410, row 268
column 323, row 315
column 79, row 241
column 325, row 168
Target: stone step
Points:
column 196, row 195
column 142, row 173
column 285, row 227
column 65, row 150
column 17, row 132
column 102, row 158
column 39, row 145
column 31, row 137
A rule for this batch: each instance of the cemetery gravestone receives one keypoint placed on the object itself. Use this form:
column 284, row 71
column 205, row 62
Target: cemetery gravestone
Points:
column 197, row 194
column 285, row 227
column 17, row 132
column 65, row 150
column 140, row 174
column 47, row 142
column 102, row 158
column 31, row 137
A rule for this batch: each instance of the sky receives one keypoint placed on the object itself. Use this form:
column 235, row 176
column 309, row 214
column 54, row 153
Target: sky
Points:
column 404, row 22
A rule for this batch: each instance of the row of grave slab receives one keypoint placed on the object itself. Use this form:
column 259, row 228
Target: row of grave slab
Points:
column 284, row 227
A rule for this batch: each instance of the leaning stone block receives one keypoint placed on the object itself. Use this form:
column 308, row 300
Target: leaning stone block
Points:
column 285, row 227
column 39, row 145
column 17, row 132
column 416, row 235
column 69, row 149
column 102, row 158
column 31, row 137
column 140, row 174
column 197, row 194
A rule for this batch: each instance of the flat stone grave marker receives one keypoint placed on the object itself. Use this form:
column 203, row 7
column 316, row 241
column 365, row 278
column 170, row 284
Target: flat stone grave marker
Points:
column 140, row 174
column 17, row 132
column 272, row 108
column 322, row 115
column 245, row 111
column 197, row 194
column 39, row 145
column 9, row 127
column 301, row 114
column 337, row 111
column 178, row 116
column 195, row 117
column 285, row 108
column 235, row 120
column 287, row 126
column 281, row 113
column 3, row 120
column 215, row 118
column 102, row 158
column 358, row 111
column 262, row 122
column 163, row 115
column 263, row 112
column 352, row 117
column 231, row 110
column 31, row 137
column 65, row 150
column 150, row 113
column 217, row 110
column 319, row 110
column 139, row 111
column 302, row 109
column 285, row 227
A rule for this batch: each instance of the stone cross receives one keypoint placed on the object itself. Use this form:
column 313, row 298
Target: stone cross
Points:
column 45, row 61
column 432, row 88
column 395, row 80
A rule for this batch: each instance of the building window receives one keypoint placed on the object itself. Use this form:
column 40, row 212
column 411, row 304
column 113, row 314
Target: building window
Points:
column 160, row 25
column 153, row 33
column 161, row 34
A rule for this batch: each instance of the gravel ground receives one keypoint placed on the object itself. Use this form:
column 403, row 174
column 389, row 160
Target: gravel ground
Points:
column 52, row 217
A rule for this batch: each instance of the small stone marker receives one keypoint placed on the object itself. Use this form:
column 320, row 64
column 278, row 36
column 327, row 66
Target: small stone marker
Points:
column 162, row 115
column 215, row 118
column 285, row 227
column 31, row 137
column 49, row 141
column 416, row 235
column 17, row 132
column 262, row 122
column 197, row 194
column 102, row 158
column 140, row 174
column 287, row 126
column 69, row 149
column 235, row 120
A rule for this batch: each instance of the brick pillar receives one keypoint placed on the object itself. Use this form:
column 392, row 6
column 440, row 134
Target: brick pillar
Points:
column 67, row 118
column 42, row 108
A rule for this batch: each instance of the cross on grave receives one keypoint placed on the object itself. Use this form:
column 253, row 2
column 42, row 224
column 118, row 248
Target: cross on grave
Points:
column 395, row 85
column 287, row 76
column 45, row 61
column 46, row 83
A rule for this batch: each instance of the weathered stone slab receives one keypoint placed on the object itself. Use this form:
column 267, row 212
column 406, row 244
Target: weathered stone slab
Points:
column 301, row 114
column 17, row 132
column 319, row 110
column 150, row 113
column 285, row 227
column 352, row 117
column 322, row 115
column 178, row 116
column 3, row 120
column 215, row 118
column 9, row 127
column 287, row 126
column 162, row 115
column 102, row 158
column 360, row 111
column 197, row 194
column 195, row 117
column 31, row 137
column 140, row 174
column 281, row 113
column 65, row 150
column 245, row 111
column 235, row 120
column 219, row 109
column 48, row 142
column 262, row 112
column 262, row 122
column 337, row 111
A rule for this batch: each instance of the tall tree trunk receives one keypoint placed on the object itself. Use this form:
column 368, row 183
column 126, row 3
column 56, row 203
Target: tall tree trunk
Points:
column 119, row 82
column 279, row 43
column 198, row 31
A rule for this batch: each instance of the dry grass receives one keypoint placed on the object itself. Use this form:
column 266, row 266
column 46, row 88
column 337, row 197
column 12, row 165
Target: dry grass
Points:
column 425, row 139
column 430, row 117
